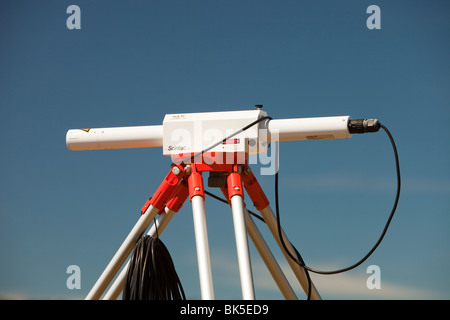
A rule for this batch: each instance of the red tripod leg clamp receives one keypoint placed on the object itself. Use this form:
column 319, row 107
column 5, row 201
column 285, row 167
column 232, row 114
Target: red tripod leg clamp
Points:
column 165, row 190
column 254, row 190
column 178, row 197
column 195, row 182
column 234, row 184
column 146, row 205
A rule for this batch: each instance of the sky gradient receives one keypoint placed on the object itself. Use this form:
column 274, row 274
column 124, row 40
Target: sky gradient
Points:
column 133, row 62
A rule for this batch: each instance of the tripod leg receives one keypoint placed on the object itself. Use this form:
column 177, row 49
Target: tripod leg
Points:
column 117, row 286
column 269, row 259
column 122, row 254
column 261, row 203
column 177, row 198
column 197, row 196
column 240, row 230
column 236, row 196
column 299, row 272
column 201, row 240
column 266, row 255
column 152, row 207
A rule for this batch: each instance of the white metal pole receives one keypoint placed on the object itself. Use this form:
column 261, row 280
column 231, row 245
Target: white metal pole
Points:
column 299, row 272
column 243, row 254
column 122, row 254
column 268, row 258
column 117, row 286
column 201, row 240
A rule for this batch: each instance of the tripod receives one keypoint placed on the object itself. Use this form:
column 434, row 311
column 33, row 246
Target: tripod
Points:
column 185, row 180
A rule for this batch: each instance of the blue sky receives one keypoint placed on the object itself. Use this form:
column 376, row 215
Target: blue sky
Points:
column 133, row 62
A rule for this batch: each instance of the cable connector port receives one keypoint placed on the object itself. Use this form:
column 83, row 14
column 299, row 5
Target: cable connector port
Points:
column 363, row 125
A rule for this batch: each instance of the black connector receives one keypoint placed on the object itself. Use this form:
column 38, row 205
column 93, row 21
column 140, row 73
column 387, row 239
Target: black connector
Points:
column 363, row 125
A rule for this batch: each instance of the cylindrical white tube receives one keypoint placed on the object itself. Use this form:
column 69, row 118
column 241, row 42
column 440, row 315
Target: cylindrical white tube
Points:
column 152, row 136
column 309, row 128
column 115, row 138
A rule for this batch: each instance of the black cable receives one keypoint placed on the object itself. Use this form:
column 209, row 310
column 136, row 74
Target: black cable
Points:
column 397, row 165
column 299, row 260
column 151, row 273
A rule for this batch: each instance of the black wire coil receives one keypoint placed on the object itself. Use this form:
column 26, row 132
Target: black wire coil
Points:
column 151, row 274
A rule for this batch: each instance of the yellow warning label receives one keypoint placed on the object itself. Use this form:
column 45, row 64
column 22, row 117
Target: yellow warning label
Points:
column 86, row 130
